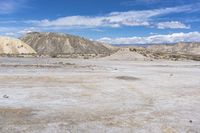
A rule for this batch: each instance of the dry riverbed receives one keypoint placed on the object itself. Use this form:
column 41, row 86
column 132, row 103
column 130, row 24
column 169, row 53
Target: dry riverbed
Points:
column 43, row 95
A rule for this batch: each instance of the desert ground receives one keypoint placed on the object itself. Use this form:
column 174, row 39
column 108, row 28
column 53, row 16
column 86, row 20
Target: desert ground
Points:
column 49, row 95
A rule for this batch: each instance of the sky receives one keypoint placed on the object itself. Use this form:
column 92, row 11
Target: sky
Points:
column 110, row 21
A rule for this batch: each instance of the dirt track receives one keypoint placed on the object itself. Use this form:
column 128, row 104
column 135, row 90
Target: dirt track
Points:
column 87, row 96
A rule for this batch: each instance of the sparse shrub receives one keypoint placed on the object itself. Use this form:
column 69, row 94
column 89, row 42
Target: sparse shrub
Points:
column 132, row 50
column 86, row 57
column 53, row 55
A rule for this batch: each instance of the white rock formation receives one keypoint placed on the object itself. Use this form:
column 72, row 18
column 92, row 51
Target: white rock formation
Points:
column 14, row 46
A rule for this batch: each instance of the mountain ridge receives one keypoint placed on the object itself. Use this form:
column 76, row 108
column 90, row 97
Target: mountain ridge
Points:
column 48, row 43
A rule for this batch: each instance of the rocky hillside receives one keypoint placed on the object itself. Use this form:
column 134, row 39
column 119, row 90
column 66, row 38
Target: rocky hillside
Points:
column 14, row 46
column 58, row 44
column 180, row 48
column 130, row 54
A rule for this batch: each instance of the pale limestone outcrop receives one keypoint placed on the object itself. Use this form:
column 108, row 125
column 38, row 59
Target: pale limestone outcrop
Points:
column 14, row 46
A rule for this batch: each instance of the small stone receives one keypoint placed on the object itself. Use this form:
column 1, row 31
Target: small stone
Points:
column 5, row 96
column 190, row 121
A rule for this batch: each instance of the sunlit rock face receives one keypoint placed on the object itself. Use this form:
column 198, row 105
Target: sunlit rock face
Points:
column 14, row 46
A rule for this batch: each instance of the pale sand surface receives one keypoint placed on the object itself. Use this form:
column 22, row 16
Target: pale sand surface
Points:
column 99, row 96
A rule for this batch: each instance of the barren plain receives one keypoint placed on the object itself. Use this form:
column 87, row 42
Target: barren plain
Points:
column 49, row 95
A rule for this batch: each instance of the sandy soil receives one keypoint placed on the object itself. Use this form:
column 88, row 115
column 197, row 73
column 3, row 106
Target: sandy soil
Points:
column 42, row 95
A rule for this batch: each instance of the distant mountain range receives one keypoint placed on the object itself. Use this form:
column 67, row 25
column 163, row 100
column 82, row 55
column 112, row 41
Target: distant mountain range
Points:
column 146, row 45
column 64, row 45
column 179, row 48
column 127, row 45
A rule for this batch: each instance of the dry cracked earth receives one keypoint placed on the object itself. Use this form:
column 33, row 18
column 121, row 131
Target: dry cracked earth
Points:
column 43, row 95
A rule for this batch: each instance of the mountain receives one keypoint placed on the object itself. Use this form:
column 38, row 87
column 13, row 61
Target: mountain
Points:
column 59, row 44
column 180, row 48
column 14, row 46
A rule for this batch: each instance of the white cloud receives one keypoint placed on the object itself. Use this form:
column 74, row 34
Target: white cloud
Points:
column 16, row 31
column 113, row 19
column 9, row 34
column 9, row 6
column 172, row 25
column 27, row 30
column 155, row 39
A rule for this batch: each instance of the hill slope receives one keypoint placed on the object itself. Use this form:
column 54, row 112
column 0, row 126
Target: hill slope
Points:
column 180, row 48
column 57, row 43
column 14, row 46
column 126, row 54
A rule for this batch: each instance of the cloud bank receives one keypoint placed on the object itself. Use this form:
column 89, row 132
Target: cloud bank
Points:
column 117, row 19
column 172, row 25
column 155, row 39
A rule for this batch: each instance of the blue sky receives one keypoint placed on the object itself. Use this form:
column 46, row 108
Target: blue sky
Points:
column 111, row 21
